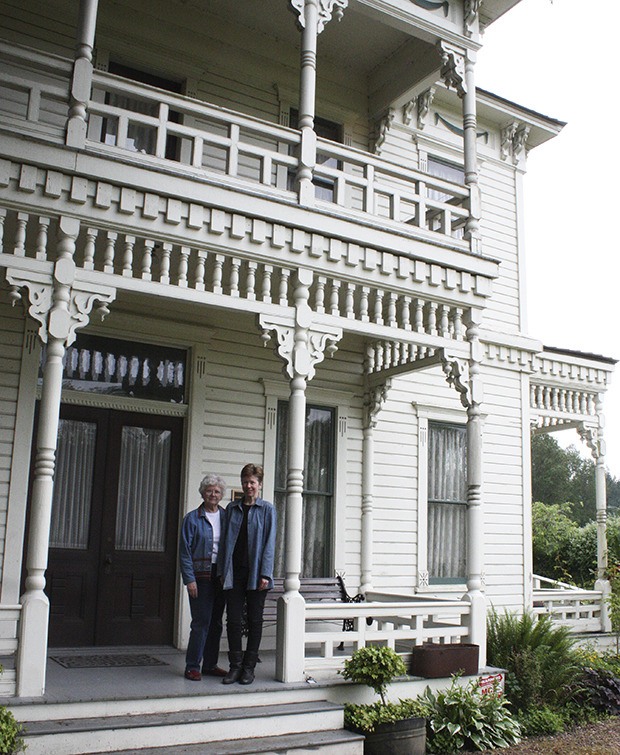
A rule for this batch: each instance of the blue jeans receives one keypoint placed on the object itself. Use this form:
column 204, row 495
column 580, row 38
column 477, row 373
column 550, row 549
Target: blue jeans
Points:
column 206, row 627
column 238, row 598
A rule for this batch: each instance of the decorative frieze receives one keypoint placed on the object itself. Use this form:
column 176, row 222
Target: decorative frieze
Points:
column 197, row 225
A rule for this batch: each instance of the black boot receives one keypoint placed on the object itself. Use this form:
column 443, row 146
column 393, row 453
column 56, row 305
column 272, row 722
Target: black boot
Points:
column 249, row 662
column 235, row 658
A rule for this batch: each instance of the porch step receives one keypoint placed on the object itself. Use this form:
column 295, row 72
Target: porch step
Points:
column 224, row 726
column 339, row 742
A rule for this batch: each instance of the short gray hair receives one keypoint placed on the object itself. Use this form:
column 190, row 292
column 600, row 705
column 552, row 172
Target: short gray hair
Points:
column 212, row 479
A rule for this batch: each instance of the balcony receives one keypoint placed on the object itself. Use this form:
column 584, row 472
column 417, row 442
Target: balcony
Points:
column 186, row 199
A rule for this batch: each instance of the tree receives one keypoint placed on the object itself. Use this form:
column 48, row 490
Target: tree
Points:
column 564, row 476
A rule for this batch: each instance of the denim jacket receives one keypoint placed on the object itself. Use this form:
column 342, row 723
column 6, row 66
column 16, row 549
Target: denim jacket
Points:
column 196, row 545
column 261, row 542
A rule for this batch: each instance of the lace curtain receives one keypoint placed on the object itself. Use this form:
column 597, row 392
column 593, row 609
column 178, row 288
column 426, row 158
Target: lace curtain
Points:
column 143, row 489
column 73, row 484
column 447, row 501
column 317, row 495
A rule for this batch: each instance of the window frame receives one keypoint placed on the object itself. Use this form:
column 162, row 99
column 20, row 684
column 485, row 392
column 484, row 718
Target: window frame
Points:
column 433, row 415
column 339, row 402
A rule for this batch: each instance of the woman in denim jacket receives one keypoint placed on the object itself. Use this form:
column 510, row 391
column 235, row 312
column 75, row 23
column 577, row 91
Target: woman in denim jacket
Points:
column 245, row 566
column 198, row 554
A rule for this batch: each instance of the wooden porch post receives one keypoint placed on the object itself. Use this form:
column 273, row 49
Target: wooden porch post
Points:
column 312, row 17
column 475, row 540
column 374, row 399
column 457, row 71
column 307, row 96
column 472, row 226
column 82, row 79
column 34, row 620
column 301, row 347
column 593, row 437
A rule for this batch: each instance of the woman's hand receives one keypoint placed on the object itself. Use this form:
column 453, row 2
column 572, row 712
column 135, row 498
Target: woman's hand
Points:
column 263, row 584
column 192, row 589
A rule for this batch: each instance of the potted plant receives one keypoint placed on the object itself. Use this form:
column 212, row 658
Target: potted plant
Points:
column 389, row 728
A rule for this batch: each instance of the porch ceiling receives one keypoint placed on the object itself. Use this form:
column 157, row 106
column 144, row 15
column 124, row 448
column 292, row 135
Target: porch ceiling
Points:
column 365, row 43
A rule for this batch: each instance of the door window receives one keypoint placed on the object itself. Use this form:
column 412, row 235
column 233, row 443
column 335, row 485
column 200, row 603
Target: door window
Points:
column 142, row 489
column 73, row 488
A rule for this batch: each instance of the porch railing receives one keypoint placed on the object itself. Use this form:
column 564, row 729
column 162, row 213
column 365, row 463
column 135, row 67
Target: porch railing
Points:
column 185, row 271
column 578, row 609
column 147, row 125
column 398, row 624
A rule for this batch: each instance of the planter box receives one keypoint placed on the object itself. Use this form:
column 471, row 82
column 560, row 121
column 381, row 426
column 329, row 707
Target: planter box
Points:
column 406, row 737
column 435, row 661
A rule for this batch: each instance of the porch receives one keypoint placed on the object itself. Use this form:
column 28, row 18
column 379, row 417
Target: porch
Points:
column 133, row 709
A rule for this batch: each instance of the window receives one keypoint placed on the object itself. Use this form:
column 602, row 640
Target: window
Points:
column 450, row 172
column 140, row 138
column 447, row 502
column 324, row 188
column 318, row 493
column 96, row 364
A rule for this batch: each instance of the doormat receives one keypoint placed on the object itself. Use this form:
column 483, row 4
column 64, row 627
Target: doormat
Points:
column 106, row 661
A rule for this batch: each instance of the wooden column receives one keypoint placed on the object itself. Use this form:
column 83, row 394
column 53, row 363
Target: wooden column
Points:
column 307, row 97
column 470, row 151
column 82, row 78
column 301, row 347
column 34, row 620
column 593, row 438
column 475, row 523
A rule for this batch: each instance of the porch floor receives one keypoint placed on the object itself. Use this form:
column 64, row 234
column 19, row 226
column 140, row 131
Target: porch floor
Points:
column 69, row 685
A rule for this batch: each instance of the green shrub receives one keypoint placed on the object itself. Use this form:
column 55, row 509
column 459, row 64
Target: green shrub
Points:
column 465, row 717
column 365, row 718
column 543, row 720
column 11, row 733
column 375, row 667
column 539, row 658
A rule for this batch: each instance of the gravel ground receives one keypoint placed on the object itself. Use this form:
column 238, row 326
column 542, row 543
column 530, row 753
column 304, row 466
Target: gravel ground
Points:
column 597, row 739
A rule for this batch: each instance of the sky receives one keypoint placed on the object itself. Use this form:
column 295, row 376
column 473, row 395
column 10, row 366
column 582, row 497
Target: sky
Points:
column 558, row 57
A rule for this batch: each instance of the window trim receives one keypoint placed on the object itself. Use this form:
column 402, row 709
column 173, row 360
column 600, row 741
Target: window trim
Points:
column 426, row 414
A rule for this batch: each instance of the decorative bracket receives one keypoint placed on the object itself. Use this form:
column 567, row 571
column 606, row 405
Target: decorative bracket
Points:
column 456, row 371
column 593, row 438
column 452, row 67
column 325, row 11
column 374, row 401
column 41, row 300
column 513, row 141
column 472, row 9
column 300, row 355
column 383, row 127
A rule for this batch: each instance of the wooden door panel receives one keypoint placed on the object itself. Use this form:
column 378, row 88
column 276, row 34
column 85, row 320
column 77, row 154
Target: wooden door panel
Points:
column 138, row 579
column 101, row 594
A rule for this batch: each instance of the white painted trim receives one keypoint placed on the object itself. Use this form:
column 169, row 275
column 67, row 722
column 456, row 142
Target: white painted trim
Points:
column 426, row 413
column 120, row 403
column 526, row 465
column 192, row 466
column 17, row 502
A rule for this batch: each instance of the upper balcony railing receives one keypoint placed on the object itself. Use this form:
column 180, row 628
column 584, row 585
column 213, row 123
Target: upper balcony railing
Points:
column 148, row 126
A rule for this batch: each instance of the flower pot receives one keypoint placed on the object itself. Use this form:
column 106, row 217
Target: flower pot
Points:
column 434, row 661
column 406, row 737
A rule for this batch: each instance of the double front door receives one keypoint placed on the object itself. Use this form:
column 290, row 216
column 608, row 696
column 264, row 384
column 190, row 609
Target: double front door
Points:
column 113, row 542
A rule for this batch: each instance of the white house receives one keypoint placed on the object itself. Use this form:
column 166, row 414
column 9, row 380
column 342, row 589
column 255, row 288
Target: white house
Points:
column 287, row 232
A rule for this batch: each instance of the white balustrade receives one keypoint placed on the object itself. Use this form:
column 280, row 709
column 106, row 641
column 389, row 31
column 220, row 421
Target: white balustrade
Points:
column 214, row 140
column 182, row 266
column 389, row 621
column 567, row 605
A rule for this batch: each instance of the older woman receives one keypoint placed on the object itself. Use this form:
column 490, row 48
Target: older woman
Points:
column 246, row 568
column 198, row 555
